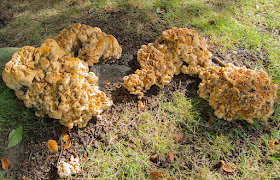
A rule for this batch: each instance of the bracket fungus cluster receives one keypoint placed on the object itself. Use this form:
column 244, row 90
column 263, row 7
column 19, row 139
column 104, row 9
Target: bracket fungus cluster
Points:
column 176, row 50
column 67, row 168
column 53, row 78
column 88, row 43
column 233, row 92
column 237, row 92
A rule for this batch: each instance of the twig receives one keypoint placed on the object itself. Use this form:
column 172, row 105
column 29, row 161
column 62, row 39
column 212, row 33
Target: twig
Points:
column 34, row 174
column 218, row 61
column 61, row 149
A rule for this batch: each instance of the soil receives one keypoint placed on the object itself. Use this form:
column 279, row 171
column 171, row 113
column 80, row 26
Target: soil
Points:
column 31, row 159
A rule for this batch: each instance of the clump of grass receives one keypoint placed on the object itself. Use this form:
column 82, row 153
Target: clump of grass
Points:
column 137, row 135
column 128, row 151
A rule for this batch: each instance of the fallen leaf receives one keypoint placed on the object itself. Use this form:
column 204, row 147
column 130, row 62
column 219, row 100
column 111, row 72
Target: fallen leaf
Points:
column 65, row 129
column 106, row 82
column 141, row 105
column 52, row 145
column 67, row 145
column 65, row 137
column 155, row 175
column 180, row 137
column 220, row 164
column 227, row 168
column 154, row 158
column 170, row 157
column 5, row 163
column 210, row 122
column 15, row 136
column 271, row 144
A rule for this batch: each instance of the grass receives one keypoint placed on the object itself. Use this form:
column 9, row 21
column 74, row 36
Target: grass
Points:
column 228, row 25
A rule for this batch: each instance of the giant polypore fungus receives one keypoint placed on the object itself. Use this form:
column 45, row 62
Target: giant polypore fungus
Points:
column 66, row 169
column 238, row 92
column 56, row 83
column 178, row 49
column 88, row 43
column 233, row 92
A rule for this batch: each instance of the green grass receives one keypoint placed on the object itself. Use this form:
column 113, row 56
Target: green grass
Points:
column 227, row 25
column 127, row 152
column 126, row 156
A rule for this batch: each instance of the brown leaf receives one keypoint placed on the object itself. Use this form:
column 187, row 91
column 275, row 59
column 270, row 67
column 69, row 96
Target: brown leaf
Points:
column 210, row 122
column 5, row 163
column 52, row 145
column 141, row 105
column 154, row 158
column 271, row 144
column 170, row 157
column 180, row 137
column 65, row 137
column 106, row 82
column 67, row 145
column 154, row 175
column 65, row 129
column 220, row 164
column 227, row 168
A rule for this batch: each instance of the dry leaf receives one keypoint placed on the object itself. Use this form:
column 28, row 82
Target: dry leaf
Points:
column 271, row 144
column 154, row 158
column 67, row 145
column 227, row 168
column 220, row 164
column 106, row 82
column 65, row 137
column 141, row 105
column 52, row 145
column 210, row 122
column 5, row 163
column 170, row 157
column 180, row 137
column 65, row 129
column 155, row 175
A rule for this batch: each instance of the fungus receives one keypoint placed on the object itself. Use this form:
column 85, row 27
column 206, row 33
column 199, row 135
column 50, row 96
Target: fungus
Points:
column 66, row 169
column 56, row 83
column 164, row 58
column 233, row 92
column 88, row 43
column 238, row 92
column 65, row 89
column 18, row 72
column 154, row 70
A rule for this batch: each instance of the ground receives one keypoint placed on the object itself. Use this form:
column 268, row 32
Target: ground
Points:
column 31, row 159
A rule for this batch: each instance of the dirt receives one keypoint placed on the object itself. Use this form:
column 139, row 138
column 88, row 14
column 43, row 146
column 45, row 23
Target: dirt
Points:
column 31, row 159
